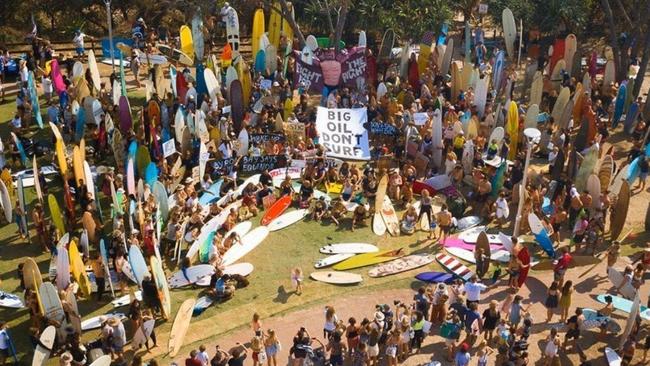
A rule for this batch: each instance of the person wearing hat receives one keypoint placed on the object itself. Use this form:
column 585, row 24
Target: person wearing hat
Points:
column 118, row 339
column 65, row 359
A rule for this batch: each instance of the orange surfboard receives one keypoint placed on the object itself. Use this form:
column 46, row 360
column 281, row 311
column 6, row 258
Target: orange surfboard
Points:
column 277, row 209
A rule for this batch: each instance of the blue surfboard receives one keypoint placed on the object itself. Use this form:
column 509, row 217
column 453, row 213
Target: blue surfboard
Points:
column 435, row 277
column 634, row 170
column 260, row 61
column 545, row 242
column 618, row 106
column 211, row 194
column 151, row 174
column 630, row 118
column 201, row 86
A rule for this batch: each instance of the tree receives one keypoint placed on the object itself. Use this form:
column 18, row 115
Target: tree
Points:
column 548, row 15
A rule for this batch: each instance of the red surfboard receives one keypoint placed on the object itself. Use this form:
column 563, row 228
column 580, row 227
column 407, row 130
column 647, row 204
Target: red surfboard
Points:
column 276, row 210
column 524, row 257
column 419, row 186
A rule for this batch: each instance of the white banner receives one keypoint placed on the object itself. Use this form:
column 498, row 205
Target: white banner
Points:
column 419, row 119
column 169, row 148
column 341, row 131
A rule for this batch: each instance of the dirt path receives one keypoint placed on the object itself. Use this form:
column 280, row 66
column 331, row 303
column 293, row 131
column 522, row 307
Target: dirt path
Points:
column 534, row 292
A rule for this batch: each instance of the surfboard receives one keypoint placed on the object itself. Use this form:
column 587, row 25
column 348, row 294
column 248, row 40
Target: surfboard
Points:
column 94, row 70
column 8, row 300
column 332, row 259
column 617, row 278
column 336, row 278
column 605, row 172
column 104, row 360
column 191, row 275
column 509, row 31
column 161, row 284
column 541, row 235
column 524, row 258
column 31, row 274
column 619, row 213
column 406, row 263
column 50, row 302
column 138, row 264
column 560, row 104
column 78, row 269
column 452, row 265
column 232, row 32
column 95, row 322
column 6, row 203
column 390, row 217
column 43, row 349
column 258, row 30
column 368, row 259
column 142, row 334
column 619, row 105
column 435, row 277
column 126, row 299
column 631, row 320
column 249, row 242
column 471, row 235
column 348, row 248
column 624, row 305
column 378, row 225
column 613, row 359
column 276, row 210
column 180, row 326
column 287, row 219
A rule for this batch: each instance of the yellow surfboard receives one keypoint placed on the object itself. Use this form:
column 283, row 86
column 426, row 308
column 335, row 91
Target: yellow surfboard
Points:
column 275, row 25
column 288, row 108
column 78, row 269
column 55, row 212
column 513, row 129
column 423, row 57
column 77, row 164
column 244, row 74
column 258, row 29
column 187, row 45
column 368, row 259
column 287, row 31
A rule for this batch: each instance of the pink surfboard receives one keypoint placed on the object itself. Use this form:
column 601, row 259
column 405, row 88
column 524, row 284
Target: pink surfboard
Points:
column 459, row 243
column 57, row 78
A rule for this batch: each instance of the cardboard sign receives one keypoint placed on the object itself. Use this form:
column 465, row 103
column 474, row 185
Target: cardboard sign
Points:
column 419, row 119
column 169, row 148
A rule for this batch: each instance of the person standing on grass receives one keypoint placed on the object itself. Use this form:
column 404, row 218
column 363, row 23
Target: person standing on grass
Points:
column 296, row 280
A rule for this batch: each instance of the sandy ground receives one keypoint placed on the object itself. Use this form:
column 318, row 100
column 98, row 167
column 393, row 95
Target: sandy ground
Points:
column 534, row 293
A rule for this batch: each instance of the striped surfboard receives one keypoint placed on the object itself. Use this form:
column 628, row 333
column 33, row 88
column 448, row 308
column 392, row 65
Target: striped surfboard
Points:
column 452, row 265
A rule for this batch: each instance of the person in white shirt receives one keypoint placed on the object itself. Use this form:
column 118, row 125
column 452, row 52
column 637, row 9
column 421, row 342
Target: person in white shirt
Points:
column 473, row 290
column 5, row 351
column 203, row 356
column 78, row 41
column 502, row 210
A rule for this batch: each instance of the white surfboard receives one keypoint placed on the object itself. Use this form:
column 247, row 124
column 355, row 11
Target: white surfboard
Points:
column 96, row 321
column 336, row 277
column 506, row 241
column 43, row 349
column 616, row 277
column 378, row 225
column 287, row 219
column 348, row 248
column 143, row 333
column 461, row 253
column 311, row 42
column 332, row 259
column 192, row 275
column 104, row 360
column 471, row 235
column 249, row 242
column 126, row 299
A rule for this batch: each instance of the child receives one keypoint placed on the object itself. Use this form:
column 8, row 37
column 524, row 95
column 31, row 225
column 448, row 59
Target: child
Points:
column 503, row 332
column 483, row 352
column 296, row 280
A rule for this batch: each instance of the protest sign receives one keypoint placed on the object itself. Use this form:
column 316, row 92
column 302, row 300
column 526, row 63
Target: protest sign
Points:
column 256, row 164
column 342, row 132
column 169, row 148
column 383, row 128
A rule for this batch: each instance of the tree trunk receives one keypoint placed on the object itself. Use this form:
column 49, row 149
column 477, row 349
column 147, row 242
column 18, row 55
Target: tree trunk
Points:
column 612, row 37
column 643, row 65
column 340, row 23
column 286, row 14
